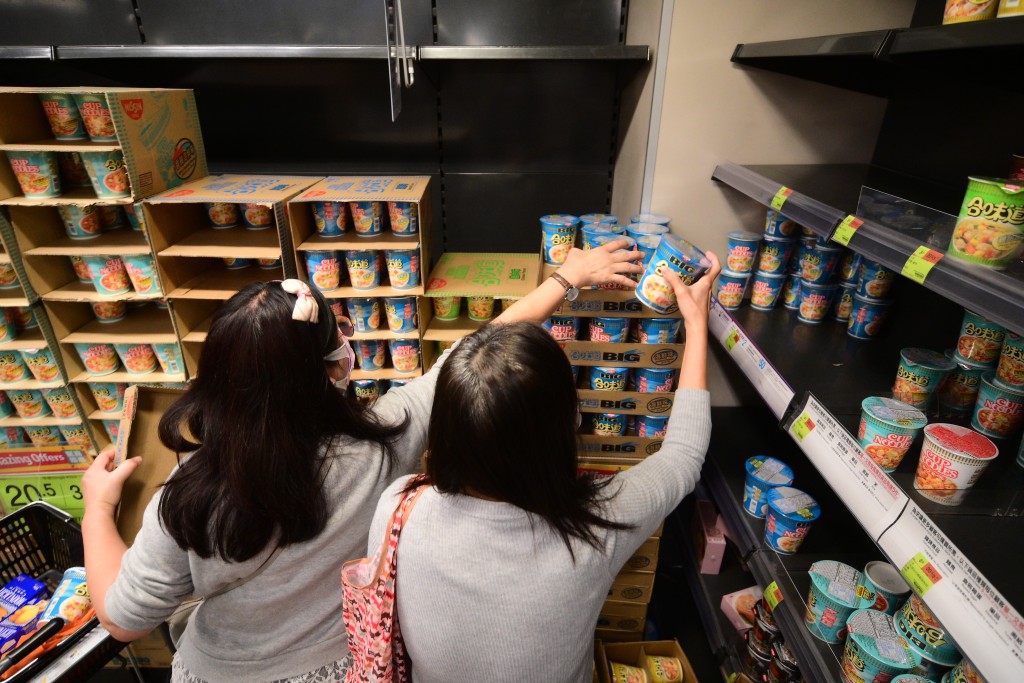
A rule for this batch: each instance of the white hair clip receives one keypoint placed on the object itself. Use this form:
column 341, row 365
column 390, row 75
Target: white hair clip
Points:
column 306, row 308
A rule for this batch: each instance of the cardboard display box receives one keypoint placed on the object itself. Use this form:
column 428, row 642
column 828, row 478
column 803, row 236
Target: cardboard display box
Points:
column 646, row 556
column 636, row 653
column 618, row 303
column 620, row 446
column 622, row 616
column 625, row 402
column 623, row 355
column 502, row 276
column 632, row 587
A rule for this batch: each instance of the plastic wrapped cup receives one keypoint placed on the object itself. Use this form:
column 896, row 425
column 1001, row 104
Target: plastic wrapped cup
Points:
column 980, row 340
column 138, row 359
column 62, row 113
column 72, row 170
column 109, row 396
column 883, row 589
column 842, row 305
column 111, row 218
column 815, row 302
column 403, row 268
column 608, row 379
column 108, row 174
column 831, row 600
column 324, row 270
column 447, row 307
column 368, row 390
column 638, row 230
column 887, row 429
column 866, row 317
column 363, row 267
column 404, row 218
column 1010, row 371
column 763, row 474
column 405, row 354
column 6, row 407
column 875, row 281
column 142, row 272
column 765, row 289
column 679, row 256
column 654, row 380
column 232, row 263
column 481, row 308
column 648, row 246
column 742, row 251
column 777, row 225
column 849, row 267
column 609, row 424
column 370, row 354
column 818, row 261
column 256, row 216
column 731, row 289
column 221, row 215
column 774, row 254
column 927, row 638
column 12, row 368
column 108, row 274
column 651, row 426
column 655, row 218
column 559, row 232
column 99, row 359
column 38, row 173
column 958, row 394
column 132, row 214
column 598, row 219
column 562, row 327
column 874, row 651
column 81, row 269
column 169, row 358
column 8, row 276
column 364, row 313
column 366, row 218
column 329, row 218
column 610, row 330
column 401, row 313
column 594, row 232
column 657, row 330
column 989, row 231
column 919, row 375
column 75, row 435
column 41, row 363
column 112, row 428
column 60, row 402
column 952, row 460
column 791, row 512
column 44, row 435
column 96, row 117
column 12, row 436
column 81, row 222
column 8, row 329
column 999, row 409
column 28, row 403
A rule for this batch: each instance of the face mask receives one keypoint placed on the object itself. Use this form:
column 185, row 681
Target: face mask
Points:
column 346, row 358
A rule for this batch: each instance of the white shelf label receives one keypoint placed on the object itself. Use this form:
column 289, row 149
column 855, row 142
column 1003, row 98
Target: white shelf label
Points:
column 765, row 378
column 985, row 626
column 871, row 495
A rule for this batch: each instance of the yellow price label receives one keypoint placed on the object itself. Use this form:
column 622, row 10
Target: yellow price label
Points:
column 803, row 426
column 732, row 340
column 846, row 230
column 921, row 574
column 921, row 263
column 780, row 197
column 773, row 595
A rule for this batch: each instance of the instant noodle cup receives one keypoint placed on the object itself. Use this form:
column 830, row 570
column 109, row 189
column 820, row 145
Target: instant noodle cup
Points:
column 12, row 368
column 370, row 354
column 447, row 307
column 72, row 170
column 964, row 672
column 887, row 429
column 232, row 263
column 919, row 375
column 927, row 638
column 815, row 302
column 960, row 11
column 1010, row 370
column 403, row 267
column 777, row 225
column 562, row 327
column 368, row 390
column 111, row 217
column 96, row 117
column 405, row 354
column 742, row 251
column 138, row 359
column 958, row 394
column 654, row 380
column 980, row 340
column 8, row 330
column 874, row 651
column 999, row 409
column 108, row 174
column 28, row 403
column 883, row 588
column 12, row 436
column 397, row 383
column 849, row 267
column 81, row 222
column 609, row 424
column 559, row 232
column 337, row 307
column 109, row 396
column 108, row 311
column 60, row 402
column 763, row 474
column 598, row 219
column 831, row 600
column 651, row 426
column 648, row 246
column 70, row 600
column 790, row 295
column 256, row 216
column 75, row 435
column 952, row 460
column 842, row 306
column 364, row 313
column 679, row 256
column 784, row 667
column 42, row 435
column 404, row 218
column 818, row 262
column 612, row 330
column 108, row 274
column 221, row 215
column 6, row 407
column 624, row 673
column 23, row 317
column 655, row 218
column 596, row 234
column 989, row 229
column 731, row 288
column 657, row 330
column 268, row 263
column 366, row 218
column 81, row 269
column 647, row 236
column 789, row 517
column 330, row 218
column 132, row 214
column 401, row 313
column 38, row 173
column 98, row 359
column 912, row 678
column 112, row 428
column 765, row 289
column 875, row 280
column 363, row 268
column 481, row 308
column 774, row 254
column 142, row 272
column 62, row 114
column 169, row 358
column 8, row 276
column 665, row 669
column 866, row 317
column 608, row 379
column 41, row 364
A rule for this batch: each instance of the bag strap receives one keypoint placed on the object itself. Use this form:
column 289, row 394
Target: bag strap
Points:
column 385, row 567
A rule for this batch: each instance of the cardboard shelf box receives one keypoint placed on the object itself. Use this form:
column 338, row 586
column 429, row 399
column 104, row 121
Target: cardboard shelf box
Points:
column 619, row 446
column 636, row 654
column 625, row 402
column 632, row 587
column 629, row 355
column 626, row 617
column 616, row 303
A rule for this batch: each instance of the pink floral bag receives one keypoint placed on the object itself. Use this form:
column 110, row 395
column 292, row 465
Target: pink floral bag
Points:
column 369, row 610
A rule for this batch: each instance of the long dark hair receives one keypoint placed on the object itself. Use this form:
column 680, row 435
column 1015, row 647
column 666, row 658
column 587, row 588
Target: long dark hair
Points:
column 260, row 413
column 503, row 426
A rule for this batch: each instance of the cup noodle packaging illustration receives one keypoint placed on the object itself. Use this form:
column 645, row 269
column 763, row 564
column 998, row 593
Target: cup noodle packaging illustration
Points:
column 919, row 375
column 679, row 256
column 63, row 116
column 999, row 409
column 763, row 474
column 37, row 173
column 874, row 651
column 980, row 340
column 989, row 228
column 831, row 600
column 952, row 460
column 887, row 429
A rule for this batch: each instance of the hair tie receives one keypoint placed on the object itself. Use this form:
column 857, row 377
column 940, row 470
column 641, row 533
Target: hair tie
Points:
column 306, row 308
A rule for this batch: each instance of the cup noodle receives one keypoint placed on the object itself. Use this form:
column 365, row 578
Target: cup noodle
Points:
column 952, row 460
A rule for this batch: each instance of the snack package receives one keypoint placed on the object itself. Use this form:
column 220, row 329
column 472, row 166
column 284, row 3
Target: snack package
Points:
column 21, row 602
column 739, row 607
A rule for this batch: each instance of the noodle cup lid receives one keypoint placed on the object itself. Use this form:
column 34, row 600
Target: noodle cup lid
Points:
column 608, row 218
column 559, row 219
column 910, row 678
column 1004, row 185
column 933, row 360
column 745, row 236
column 1010, row 391
column 768, row 470
column 837, row 581
column 868, row 301
column 893, row 413
column 875, row 634
column 682, row 249
column 648, row 228
column 961, row 441
column 793, row 504
column 778, row 238
column 602, row 229
column 657, row 218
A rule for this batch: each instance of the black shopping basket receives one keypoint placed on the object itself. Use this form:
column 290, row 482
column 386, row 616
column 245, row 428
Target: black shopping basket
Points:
column 42, row 541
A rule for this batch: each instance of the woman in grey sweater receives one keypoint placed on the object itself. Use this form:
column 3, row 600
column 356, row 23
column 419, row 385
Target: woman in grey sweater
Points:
column 505, row 561
column 279, row 459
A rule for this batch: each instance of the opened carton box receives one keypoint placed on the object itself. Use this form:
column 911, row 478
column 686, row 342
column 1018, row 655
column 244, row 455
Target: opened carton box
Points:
column 637, row 653
column 619, row 303
column 632, row 587
column 590, row 445
column 625, row 402
column 630, row 355
column 622, row 616
column 646, row 556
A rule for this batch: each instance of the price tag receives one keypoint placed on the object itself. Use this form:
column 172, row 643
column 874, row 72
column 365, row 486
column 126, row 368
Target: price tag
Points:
column 921, row 574
column 61, row 490
column 780, row 197
column 921, row 263
column 732, row 340
column 846, row 230
column 773, row 595
column 803, row 426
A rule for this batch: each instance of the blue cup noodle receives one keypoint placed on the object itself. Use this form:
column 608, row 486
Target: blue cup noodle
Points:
column 915, row 678
column 132, row 214
column 404, row 218
column 234, row 263
column 774, row 254
column 648, row 246
column 874, row 651
column 653, row 380
column 887, row 430
column 141, row 271
column 268, row 263
column 99, row 124
column 679, row 256
column 883, row 589
column 367, row 218
column 364, row 313
column 109, row 276
column 609, row 424
column 818, row 262
column 24, row 317
column 368, row 390
column 765, row 289
column 324, row 269
column 603, row 231
column 81, row 269
column 926, row 637
column 403, row 268
column 655, row 218
column 651, row 426
column 842, row 304
column 330, row 218
column 875, row 280
column 72, row 170
column 256, row 216
column 731, row 289
column 866, row 317
column 76, row 435
column 742, row 251
column 611, row 330
column 363, row 267
column 657, row 330
column 109, row 396
column 99, row 359
column 370, row 354
column 562, row 327
column 831, row 600
column 405, row 354
column 598, row 219
column 559, row 232
column 221, row 215
column 815, row 302
column 763, row 474
column 791, row 512
column 963, row 672
column 849, row 267
column 608, row 379
column 401, row 313
column 777, row 225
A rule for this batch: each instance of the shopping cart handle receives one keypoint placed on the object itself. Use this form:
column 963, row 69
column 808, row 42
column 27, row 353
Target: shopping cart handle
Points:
column 48, row 630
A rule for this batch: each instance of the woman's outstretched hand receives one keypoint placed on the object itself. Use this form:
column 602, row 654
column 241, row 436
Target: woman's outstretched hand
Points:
column 695, row 300
column 103, row 482
column 602, row 265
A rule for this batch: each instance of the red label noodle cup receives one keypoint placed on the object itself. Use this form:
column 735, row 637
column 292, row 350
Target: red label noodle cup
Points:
column 108, row 274
column 366, row 218
column 256, row 216
column 562, row 327
column 952, row 459
column 887, row 430
column 815, row 302
column 38, row 173
column 108, row 174
column 8, row 276
column 138, row 359
column 62, row 113
column 980, row 340
column 96, row 116
column 222, row 215
column 98, row 359
column 919, row 375
column 41, row 364
column 742, row 250
column 405, row 354
column 81, row 269
column 999, row 410
column 1011, row 361
column 81, row 222
column 12, row 368
column 363, row 267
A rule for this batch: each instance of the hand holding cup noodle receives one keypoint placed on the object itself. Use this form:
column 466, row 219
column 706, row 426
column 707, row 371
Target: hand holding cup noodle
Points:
column 680, row 257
